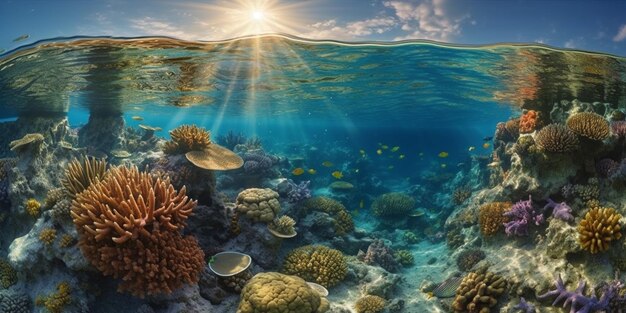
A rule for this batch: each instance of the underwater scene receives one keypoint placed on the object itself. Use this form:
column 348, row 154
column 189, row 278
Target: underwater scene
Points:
column 277, row 174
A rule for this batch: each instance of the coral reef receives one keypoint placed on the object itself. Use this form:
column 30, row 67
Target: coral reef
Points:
column 607, row 168
column 598, row 228
column 298, row 192
column 79, row 174
column 410, row 237
column 258, row 161
column 8, row 276
column 394, row 204
column 618, row 128
column 461, row 194
column 342, row 220
column 56, row 302
column 478, row 292
column 520, row 216
column 528, row 121
column 283, row 225
column 275, row 292
column 491, row 217
column 187, row 138
column 14, row 302
column 134, row 232
column 370, row 304
column 379, row 254
column 316, row 263
column 589, row 125
column 466, row 260
column 556, row 138
column 579, row 302
column 260, row 205
column 53, row 197
column 404, row 257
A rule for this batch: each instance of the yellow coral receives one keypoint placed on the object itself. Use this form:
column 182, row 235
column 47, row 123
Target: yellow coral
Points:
column 590, row 125
column 599, row 227
column 394, row 204
column 66, row 241
column 556, row 138
column 260, row 205
column 478, row 292
column 56, row 302
column 187, row 138
column 318, row 264
column 47, row 236
column 369, row 304
column 490, row 217
column 33, row 207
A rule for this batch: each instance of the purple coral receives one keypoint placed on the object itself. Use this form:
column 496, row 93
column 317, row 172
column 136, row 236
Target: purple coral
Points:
column 561, row 210
column 298, row 192
column 524, row 306
column 521, row 214
column 619, row 128
column 258, row 162
column 381, row 255
column 579, row 303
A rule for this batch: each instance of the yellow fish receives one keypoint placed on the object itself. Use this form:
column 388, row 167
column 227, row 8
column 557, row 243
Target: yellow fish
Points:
column 385, row 147
column 337, row 174
column 327, row 163
column 486, row 145
column 443, row 154
column 297, row 171
column 394, row 149
column 312, row 171
column 361, row 204
column 471, row 148
column 379, row 152
column 443, row 165
column 362, row 151
column 401, row 157
column 137, row 118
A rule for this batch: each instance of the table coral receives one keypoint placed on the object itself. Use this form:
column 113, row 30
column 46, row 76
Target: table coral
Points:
column 187, row 138
column 275, row 292
column 316, row 263
column 478, row 292
column 598, row 228
column 369, row 304
column 589, row 125
column 394, row 204
column 260, row 205
column 491, row 217
column 556, row 138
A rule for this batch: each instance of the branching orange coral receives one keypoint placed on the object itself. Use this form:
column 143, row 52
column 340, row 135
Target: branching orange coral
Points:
column 590, row 125
column 528, row 121
column 491, row 217
column 129, row 227
column 187, row 138
column 599, row 227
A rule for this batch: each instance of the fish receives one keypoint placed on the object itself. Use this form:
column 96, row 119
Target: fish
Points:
column 337, row 174
column 471, row 148
column 385, row 147
column 361, row 204
column 447, row 288
column 327, row 163
column 486, row 145
column 311, row 171
column 443, row 154
column 137, row 118
column 297, row 171
column 394, row 149
column 416, row 213
column 356, row 171
column 390, row 167
column 443, row 165
column 421, row 154
column 493, row 164
column 488, row 138
column 21, row 38
column 379, row 152
column 401, row 157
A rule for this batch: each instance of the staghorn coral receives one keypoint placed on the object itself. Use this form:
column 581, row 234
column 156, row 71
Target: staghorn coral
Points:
column 32, row 207
column 14, row 302
column 404, row 257
column 8, row 277
column 260, row 205
column 47, row 236
column 598, row 228
column 298, row 192
column 79, row 174
column 316, row 263
column 394, row 204
column 589, row 125
column 275, row 292
column 491, row 217
column 187, row 138
column 556, row 138
column 479, row 292
column 379, row 254
column 528, row 121
column 283, row 225
column 56, row 302
column 369, row 304
column 129, row 227
column 468, row 258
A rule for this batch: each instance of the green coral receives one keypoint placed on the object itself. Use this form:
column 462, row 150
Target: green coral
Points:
column 404, row 257
column 394, row 204
column 278, row 293
column 410, row 237
column 369, row 304
column 318, row 264
column 8, row 277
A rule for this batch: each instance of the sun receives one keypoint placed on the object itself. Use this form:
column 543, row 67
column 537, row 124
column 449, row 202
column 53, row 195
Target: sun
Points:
column 257, row 15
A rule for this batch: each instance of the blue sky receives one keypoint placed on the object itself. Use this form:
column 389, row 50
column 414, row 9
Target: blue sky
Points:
column 598, row 25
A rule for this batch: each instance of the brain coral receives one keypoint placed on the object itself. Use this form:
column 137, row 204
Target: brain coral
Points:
column 598, row 228
column 528, row 121
column 491, row 218
column 278, row 293
column 590, row 125
column 318, row 264
column 394, row 204
column 369, row 304
column 261, row 205
column 129, row 227
column 556, row 138
column 478, row 292
column 187, row 138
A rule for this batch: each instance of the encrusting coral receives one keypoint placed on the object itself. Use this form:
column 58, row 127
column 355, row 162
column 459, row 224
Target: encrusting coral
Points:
column 369, row 304
column 556, row 138
column 478, row 292
column 393, row 204
column 318, row 264
column 32, row 207
column 79, row 174
column 187, row 138
column 14, row 302
column 260, row 205
column 129, row 227
column 491, row 217
column 275, row 292
column 598, row 228
column 589, row 125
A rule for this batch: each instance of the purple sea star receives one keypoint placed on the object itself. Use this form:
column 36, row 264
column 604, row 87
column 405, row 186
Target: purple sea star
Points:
column 525, row 306
column 579, row 303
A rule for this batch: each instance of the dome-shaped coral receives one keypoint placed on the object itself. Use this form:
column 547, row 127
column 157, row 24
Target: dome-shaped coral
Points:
column 369, row 304
column 129, row 227
column 556, row 138
column 598, row 228
column 318, row 264
column 187, row 138
column 491, row 218
column 478, row 292
column 528, row 121
column 590, row 125
column 393, row 204
column 275, row 292
column 261, row 205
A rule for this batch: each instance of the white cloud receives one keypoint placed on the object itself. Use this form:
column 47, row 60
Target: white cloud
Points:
column 621, row 34
column 330, row 29
column 427, row 20
column 152, row 26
